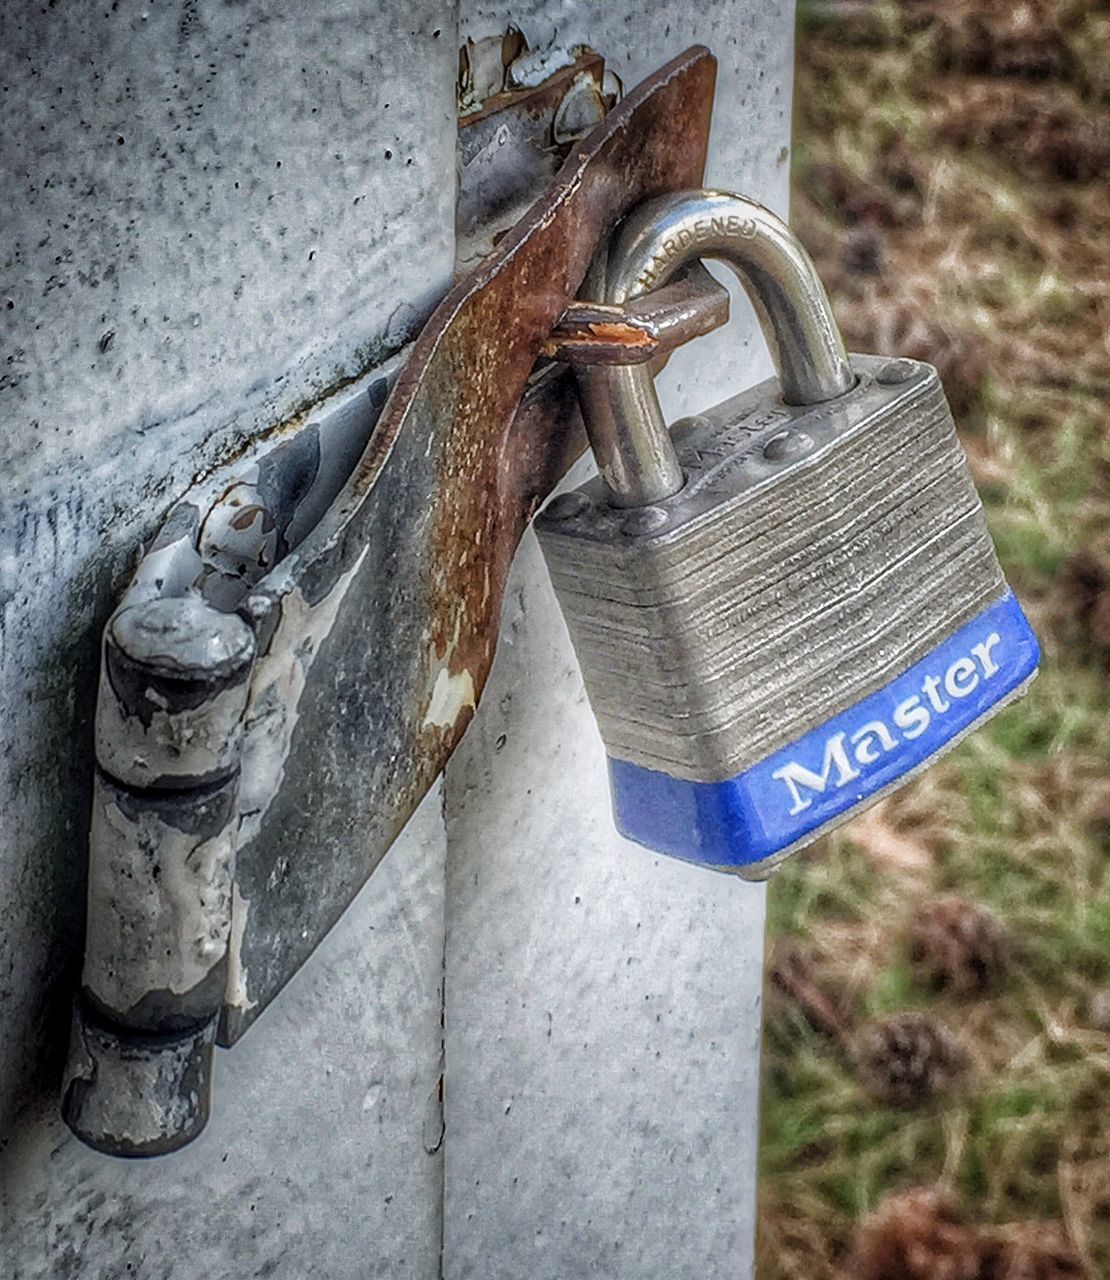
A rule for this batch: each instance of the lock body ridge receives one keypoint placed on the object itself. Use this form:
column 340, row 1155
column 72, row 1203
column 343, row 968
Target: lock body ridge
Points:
column 813, row 616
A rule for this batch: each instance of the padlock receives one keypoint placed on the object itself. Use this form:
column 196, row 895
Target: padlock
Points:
column 793, row 606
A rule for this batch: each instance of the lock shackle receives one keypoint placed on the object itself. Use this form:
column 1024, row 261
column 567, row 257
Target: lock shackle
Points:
column 630, row 440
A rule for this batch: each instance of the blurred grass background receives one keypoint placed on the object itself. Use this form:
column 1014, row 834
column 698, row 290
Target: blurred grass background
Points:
column 936, row 1077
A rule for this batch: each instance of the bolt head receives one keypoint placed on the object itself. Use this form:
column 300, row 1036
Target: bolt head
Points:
column 896, row 371
column 643, row 520
column 566, row 506
column 787, row 445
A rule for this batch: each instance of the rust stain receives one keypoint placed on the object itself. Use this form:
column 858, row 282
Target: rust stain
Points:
column 497, row 452
column 622, row 333
column 474, row 435
column 499, row 457
column 602, row 334
column 245, row 518
column 642, row 329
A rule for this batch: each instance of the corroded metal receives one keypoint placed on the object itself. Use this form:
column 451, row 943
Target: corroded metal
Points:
column 369, row 565
column 128, row 1094
column 639, row 331
column 513, row 147
column 380, row 625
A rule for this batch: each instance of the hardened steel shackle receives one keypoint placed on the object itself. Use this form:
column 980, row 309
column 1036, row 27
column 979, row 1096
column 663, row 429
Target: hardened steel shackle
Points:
column 630, row 440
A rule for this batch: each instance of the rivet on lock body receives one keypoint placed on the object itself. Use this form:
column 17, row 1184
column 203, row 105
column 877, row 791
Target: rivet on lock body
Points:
column 793, row 606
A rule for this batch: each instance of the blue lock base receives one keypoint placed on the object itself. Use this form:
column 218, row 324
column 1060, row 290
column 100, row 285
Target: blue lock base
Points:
column 748, row 823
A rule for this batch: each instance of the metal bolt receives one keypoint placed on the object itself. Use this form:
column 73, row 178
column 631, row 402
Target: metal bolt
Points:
column 896, row 371
column 643, row 520
column 787, row 445
column 567, row 505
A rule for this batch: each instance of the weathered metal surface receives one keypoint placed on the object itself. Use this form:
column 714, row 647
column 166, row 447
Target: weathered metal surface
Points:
column 160, row 886
column 374, row 629
column 174, row 685
column 214, row 215
column 173, row 690
column 135, row 1095
column 793, row 527
column 513, row 145
column 510, row 148
column 396, row 590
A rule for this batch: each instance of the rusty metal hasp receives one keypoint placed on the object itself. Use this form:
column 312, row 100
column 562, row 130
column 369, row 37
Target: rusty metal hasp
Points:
column 305, row 639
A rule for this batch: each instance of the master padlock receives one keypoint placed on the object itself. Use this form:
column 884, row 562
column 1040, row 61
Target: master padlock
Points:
column 794, row 605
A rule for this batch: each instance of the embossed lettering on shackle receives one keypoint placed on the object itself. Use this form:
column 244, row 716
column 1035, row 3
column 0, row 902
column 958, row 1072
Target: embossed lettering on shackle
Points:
column 629, row 436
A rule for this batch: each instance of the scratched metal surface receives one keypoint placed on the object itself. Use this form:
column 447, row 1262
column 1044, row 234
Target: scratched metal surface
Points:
column 816, row 540
column 602, row 1004
column 167, row 293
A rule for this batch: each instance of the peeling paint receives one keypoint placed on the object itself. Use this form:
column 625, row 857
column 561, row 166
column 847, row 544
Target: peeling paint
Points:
column 138, row 1097
column 279, row 681
column 173, row 687
column 197, row 745
column 159, row 903
column 451, row 696
column 238, row 997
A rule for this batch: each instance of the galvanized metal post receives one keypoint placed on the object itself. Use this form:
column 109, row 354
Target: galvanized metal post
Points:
column 214, row 214
column 218, row 216
column 603, row 1004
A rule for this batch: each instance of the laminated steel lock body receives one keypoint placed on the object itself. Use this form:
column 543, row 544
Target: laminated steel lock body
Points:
column 795, row 604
